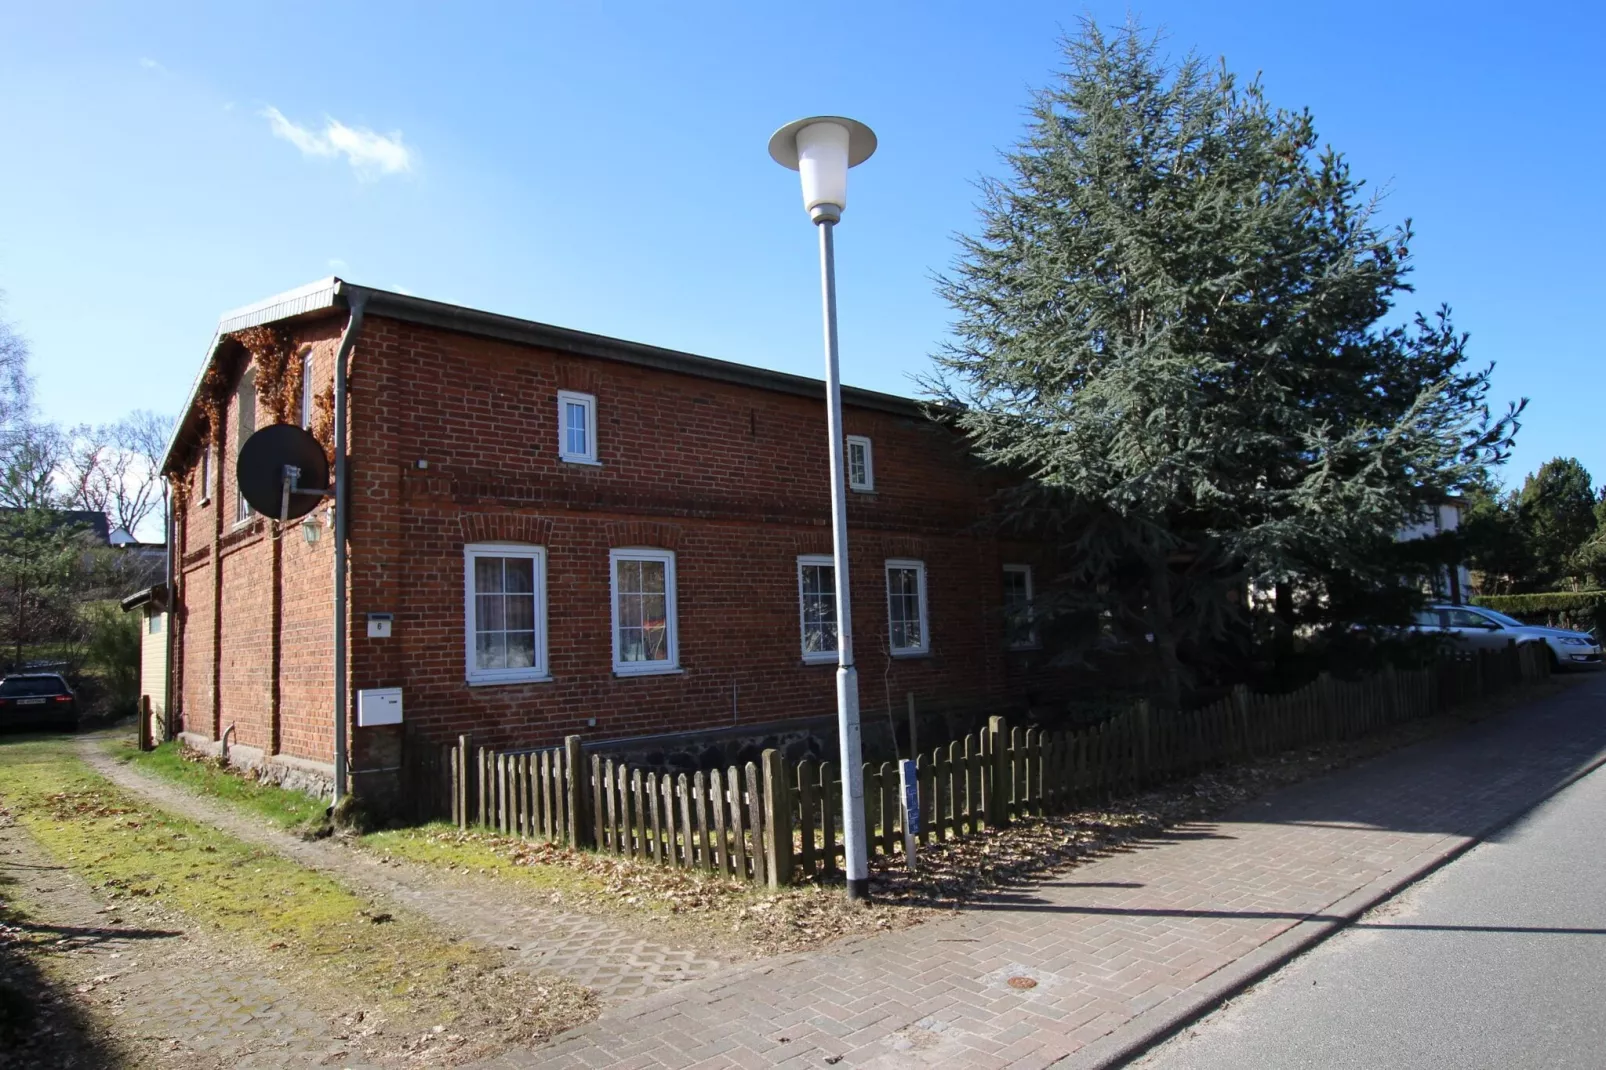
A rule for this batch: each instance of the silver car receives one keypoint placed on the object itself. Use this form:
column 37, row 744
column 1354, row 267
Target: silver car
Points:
column 1484, row 629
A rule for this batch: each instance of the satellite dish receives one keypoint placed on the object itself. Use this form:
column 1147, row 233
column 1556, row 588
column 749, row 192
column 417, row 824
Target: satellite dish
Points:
column 282, row 471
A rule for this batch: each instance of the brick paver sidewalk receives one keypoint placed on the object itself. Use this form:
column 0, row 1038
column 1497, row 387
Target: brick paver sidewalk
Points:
column 1114, row 944
column 617, row 962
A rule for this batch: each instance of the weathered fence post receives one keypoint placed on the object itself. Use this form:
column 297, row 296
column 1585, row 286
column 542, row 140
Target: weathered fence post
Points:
column 460, row 782
column 1145, row 747
column 777, row 819
column 998, row 766
column 914, row 734
column 1240, row 709
column 145, row 732
column 574, row 768
column 481, row 783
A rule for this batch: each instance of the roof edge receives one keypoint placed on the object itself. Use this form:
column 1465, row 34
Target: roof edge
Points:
column 335, row 292
column 583, row 343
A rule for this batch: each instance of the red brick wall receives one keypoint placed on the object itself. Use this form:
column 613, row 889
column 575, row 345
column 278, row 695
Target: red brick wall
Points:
column 729, row 477
column 275, row 672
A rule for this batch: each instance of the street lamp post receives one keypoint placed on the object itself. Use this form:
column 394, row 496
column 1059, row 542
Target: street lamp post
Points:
column 821, row 149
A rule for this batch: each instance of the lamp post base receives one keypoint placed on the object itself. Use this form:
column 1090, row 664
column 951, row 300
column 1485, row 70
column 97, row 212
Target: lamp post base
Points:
column 859, row 890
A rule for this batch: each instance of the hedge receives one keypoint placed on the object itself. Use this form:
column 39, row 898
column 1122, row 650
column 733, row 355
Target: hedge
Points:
column 1576, row 609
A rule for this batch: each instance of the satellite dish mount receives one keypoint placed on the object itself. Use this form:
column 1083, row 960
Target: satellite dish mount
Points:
column 282, row 470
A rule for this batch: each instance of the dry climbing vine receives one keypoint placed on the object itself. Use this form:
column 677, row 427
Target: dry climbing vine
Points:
column 278, row 377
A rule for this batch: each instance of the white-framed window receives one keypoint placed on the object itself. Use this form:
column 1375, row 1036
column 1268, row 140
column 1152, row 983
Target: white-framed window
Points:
column 206, row 473
column 577, row 427
column 816, row 607
column 153, row 624
column 644, row 632
column 307, row 395
column 1020, row 626
column 247, row 423
column 861, row 463
column 906, row 608
column 504, row 613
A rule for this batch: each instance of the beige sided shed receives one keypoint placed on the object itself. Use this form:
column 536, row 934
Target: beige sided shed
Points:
column 153, row 624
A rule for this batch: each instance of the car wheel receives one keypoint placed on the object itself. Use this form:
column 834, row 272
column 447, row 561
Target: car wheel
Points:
column 1555, row 662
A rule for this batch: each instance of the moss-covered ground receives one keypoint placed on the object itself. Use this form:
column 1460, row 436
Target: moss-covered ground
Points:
column 127, row 848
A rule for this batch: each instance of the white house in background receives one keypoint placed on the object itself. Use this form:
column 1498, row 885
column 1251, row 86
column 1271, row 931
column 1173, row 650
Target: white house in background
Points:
column 1450, row 584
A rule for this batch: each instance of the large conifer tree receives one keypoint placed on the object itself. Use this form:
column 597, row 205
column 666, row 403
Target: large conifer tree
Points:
column 1173, row 325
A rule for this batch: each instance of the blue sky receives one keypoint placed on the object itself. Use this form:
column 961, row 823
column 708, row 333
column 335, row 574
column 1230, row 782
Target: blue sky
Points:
column 602, row 166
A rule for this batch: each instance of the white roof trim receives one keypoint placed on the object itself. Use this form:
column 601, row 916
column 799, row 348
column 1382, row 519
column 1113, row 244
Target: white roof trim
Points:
column 308, row 298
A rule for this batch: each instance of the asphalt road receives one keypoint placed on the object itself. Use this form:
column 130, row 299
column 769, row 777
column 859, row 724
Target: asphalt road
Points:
column 1498, row 961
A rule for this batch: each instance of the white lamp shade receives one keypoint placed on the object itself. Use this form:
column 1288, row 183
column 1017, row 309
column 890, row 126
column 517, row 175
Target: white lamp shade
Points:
column 821, row 149
column 822, row 160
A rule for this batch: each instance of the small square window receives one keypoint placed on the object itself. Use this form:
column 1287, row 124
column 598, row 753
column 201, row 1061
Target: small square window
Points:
column 816, row 608
column 906, row 608
column 861, row 466
column 153, row 624
column 504, row 613
column 644, row 632
column 577, row 427
column 1020, row 627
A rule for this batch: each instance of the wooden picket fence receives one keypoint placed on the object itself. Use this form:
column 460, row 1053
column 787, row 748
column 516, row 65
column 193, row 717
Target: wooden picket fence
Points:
column 775, row 821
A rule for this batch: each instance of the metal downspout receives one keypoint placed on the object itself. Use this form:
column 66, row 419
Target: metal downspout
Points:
column 170, row 612
column 342, row 501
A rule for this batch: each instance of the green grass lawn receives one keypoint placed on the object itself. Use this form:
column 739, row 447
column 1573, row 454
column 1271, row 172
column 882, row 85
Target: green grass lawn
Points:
column 128, row 848
column 287, row 809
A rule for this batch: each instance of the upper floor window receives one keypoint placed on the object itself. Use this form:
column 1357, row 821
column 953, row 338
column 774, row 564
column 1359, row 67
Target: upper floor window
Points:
column 644, row 639
column 153, row 624
column 505, row 612
column 206, row 473
column 861, row 466
column 906, row 607
column 247, row 408
column 816, row 607
column 1020, row 628
column 577, row 427
column 307, row 396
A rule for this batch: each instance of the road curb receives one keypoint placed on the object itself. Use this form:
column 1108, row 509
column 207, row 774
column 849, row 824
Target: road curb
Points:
column 1166, row 1019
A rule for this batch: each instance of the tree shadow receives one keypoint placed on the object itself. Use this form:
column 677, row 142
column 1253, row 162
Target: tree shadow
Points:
column 41, row 1024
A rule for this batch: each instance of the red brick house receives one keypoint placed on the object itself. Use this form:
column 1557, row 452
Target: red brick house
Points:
column 570, row 534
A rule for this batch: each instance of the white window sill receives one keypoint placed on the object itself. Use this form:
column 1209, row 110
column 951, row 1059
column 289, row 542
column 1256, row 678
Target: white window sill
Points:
column 862, row 490
column 820, row 659
column 581, row 460
column 903, row 655
column 666, row 670
column 492, row 681
column 206, row 501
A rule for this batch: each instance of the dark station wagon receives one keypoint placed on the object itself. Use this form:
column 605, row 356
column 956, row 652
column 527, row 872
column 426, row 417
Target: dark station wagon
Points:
column 38, row 700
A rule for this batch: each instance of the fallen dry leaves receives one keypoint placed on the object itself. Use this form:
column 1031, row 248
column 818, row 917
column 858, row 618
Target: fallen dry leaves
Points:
column 949, row 875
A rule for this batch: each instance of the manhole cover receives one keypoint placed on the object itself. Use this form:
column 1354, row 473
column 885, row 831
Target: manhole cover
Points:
column 1022, row 982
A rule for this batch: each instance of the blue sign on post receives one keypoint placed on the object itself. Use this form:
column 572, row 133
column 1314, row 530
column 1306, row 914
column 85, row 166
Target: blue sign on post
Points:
column 910, row 782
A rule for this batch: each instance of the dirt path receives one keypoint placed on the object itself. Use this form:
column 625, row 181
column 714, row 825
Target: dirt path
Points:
column 126, row 984
column 613, row 957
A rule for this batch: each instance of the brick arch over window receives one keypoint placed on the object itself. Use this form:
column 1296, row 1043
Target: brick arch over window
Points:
column 643, row 533
column 813, row 542
column 903, row 546
column 506, row 527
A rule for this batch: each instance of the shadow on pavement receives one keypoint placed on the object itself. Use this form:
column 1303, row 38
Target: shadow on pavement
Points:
column 40, row 1023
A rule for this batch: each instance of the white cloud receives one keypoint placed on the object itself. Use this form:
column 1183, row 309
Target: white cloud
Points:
column 337, row 264
column 369, row 154
column 152, row 65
